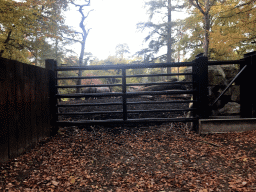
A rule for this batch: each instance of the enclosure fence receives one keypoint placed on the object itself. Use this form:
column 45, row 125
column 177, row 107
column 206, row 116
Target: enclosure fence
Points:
column 198, row 92
column 25, row 111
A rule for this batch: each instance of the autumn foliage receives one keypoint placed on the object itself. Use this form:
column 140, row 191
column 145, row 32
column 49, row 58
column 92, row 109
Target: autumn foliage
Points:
column 158, row 158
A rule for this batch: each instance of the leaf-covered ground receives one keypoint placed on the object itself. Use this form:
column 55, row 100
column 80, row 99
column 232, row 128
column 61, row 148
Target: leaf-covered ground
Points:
column 160, row 158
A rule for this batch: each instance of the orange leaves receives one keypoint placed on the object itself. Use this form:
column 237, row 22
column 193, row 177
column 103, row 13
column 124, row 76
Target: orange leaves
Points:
column 152, row 161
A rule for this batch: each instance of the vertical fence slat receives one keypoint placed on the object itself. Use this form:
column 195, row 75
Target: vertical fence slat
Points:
column 19, row 101
column 39, row 96
column 46, row 105
column 33, row 105
column 51, row 65
column 200, row 84
column 27, row 104
column 4, row 135
column 124, row 94
column 247, row 93
column 12, row 112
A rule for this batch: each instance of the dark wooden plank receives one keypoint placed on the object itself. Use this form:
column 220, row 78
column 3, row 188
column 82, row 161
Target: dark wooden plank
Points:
column 45, row 105
column 4, row 136
column 12, row 112
column 27, row 104
column 20, row 112
column 33, row 105
column 39, row 101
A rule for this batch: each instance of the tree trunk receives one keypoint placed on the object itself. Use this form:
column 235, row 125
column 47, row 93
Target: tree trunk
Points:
column 206, row 27
column 5, row 42
column 169, row 38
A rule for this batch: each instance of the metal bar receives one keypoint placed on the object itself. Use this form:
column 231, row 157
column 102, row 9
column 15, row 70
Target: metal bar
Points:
column 128, row 103
column 225, row 62
column 79, row 95
column 128, row 111
column 89, row 104
column 91, row 113
column 120, row 121
column 159, row 111
column 124, row 94
column 99, row 85
column 225, row 90
column 164, row 83
column 126, row 66
column 89, row 77
column 128, row 76
column 132, row 94
column 159, row 102
column 154, row 75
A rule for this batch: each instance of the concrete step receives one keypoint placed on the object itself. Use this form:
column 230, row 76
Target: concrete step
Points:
column 226, row 124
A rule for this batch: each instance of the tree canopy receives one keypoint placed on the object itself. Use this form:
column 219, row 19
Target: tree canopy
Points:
column 26, row 25
column 221, row 29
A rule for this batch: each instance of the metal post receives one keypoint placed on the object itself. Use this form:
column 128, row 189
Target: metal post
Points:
column 124, row 94
column 51, row 65
column 247, row 93
column 200, row 84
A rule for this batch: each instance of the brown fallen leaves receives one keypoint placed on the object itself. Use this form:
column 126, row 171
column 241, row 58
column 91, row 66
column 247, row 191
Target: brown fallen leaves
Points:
column 155, row 159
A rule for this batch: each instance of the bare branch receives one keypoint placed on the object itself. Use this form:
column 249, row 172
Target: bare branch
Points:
column 84, row 5
column 197, row 5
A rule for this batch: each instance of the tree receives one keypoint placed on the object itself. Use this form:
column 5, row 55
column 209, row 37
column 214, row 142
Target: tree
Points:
column 231, row 33
column 26, row 25
column 234, row 29
column 122, row 49
column 204, row 8
column 84, row 35
column 161, row 30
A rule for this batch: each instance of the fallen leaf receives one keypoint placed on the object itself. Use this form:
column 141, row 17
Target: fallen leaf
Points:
column 72, row 180
column 55, row 183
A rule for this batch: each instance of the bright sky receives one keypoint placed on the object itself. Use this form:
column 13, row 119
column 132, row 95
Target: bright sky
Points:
column 112, row 22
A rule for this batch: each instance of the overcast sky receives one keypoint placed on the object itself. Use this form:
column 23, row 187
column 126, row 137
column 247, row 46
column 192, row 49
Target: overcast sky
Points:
column 112, row 22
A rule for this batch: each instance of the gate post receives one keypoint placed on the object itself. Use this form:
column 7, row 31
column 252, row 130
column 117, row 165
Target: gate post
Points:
column 51, row 65
column 200, row 85
column 124, row 94
column 246, row 80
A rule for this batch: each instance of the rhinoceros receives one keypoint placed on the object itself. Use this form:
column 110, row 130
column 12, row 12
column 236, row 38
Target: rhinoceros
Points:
column 102, row 90
column 96, row 90
column 89, row 90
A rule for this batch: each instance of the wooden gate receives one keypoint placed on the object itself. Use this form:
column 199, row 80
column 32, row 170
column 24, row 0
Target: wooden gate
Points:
column 127, row 111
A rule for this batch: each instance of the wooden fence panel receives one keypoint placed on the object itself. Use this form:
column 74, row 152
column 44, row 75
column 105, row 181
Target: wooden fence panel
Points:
column 24, row 107
column 12, row 112
column 4, row 135
column 19, row 101
column 27, row 102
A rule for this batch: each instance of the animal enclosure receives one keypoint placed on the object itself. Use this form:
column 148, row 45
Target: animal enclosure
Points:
column 156, row 97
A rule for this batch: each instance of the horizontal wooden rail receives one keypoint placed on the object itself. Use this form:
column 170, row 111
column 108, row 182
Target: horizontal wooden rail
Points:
column 159, row 75
column 129, row 94
column 128, row 111
column 118, row 76
column 164, row 83
column 81, row 86
column 121, row 121
column 89, row 104
column 230, row 62
column 130, row 84
column 88, row 77
column 125, row 66
column 128, row 103
column 159, row 102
